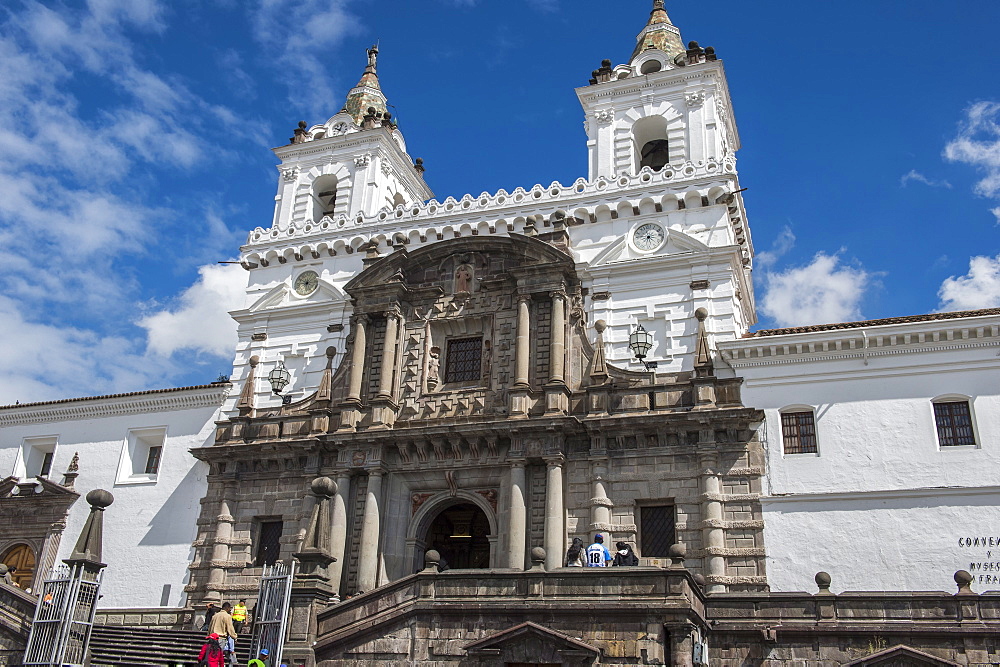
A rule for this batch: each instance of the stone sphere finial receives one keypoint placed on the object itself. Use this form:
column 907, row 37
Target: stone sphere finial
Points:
column 701, row 314
column 600, row 325
column 431, row 559
column 699, row 579
column 302, row 125
column 99, row 498
column 677, row 553
column 823, row 581
column 254, row 360
column 323, row 487
column 331, row 352
column 537, row 556
column 963, row 578
column 4, row 569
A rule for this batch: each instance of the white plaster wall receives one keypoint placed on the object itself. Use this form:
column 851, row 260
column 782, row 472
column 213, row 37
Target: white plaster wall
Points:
column 884, row 541
column 149, row 529
column 881, row 505
column 875, row 425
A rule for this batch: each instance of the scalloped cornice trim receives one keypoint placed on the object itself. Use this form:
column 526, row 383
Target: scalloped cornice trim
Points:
column 163, row 400
column 433, row 212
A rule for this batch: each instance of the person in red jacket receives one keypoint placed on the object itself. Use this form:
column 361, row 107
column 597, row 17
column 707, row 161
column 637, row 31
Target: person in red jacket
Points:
column 211, row 653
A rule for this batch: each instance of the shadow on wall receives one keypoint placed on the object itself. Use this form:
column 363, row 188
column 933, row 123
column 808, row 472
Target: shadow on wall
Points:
column 176, row 520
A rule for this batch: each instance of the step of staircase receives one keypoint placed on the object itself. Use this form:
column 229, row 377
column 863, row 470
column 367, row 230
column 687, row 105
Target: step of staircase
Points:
column 115, row 645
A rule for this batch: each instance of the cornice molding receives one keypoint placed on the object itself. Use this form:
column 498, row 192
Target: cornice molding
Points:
column 886, row 494
column 781, row 357
column 116, row 406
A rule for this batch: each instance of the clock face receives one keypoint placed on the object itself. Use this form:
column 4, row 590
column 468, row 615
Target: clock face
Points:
column 339, row 128
column 648, row 237
column 306, row 283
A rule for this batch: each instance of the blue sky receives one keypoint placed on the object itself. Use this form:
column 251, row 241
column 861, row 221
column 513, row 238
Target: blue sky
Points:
column 134, row 139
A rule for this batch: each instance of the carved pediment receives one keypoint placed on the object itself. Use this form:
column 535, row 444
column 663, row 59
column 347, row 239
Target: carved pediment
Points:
column 282, row 295
column 28, row 490
column 438, row 265
column 901, row 656
column 533, row 643
column 676, row 243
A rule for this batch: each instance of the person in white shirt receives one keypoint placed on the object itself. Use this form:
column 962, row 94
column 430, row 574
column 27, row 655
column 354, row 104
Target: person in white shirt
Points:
column 598, row 554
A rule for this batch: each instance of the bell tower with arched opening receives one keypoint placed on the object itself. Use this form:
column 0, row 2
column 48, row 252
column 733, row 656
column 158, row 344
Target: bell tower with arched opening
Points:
column 667, row 106
column 353, row 164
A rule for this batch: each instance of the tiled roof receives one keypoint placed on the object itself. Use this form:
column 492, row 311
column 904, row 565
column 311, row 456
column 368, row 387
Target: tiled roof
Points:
column 106, row 396
column 874, row 323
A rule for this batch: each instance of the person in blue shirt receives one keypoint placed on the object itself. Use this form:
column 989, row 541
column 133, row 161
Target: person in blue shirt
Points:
column 598, row 554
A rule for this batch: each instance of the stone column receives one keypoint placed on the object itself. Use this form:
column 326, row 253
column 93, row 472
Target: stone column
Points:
column 600, row 504
column 358, row 358
column 338, row 533
column 523, row 352
column 221, row 546
column 368, row 558
column 555, row 538
column 388, row 356
column 517, row 526
column 557, row 348
column 713, row 535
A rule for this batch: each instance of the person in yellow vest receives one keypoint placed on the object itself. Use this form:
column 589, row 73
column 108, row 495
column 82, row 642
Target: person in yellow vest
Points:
column 240, row 616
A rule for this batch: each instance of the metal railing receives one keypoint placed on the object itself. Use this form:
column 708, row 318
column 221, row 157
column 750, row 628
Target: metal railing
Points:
column 270, row 621
column 60, row 632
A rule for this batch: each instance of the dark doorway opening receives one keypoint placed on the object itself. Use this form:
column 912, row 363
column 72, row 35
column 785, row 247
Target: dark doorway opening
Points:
column 460, row 534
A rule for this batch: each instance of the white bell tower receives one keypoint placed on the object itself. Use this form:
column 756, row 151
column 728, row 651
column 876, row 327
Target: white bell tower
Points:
column 668, row 106
column 355, row 163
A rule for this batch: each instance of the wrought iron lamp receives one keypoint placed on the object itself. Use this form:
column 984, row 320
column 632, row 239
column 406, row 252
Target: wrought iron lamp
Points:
column 640, row 342
column 279, row 378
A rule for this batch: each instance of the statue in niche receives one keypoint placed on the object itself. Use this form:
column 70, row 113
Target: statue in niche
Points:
column 434, row 368
column 463, row 279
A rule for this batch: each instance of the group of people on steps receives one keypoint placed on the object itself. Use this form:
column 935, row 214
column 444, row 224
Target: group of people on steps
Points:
column 224, row 625
column 597, row 555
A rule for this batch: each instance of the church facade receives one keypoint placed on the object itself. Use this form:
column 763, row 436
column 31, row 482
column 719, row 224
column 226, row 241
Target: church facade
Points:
column 431, row 399
column 462, row 368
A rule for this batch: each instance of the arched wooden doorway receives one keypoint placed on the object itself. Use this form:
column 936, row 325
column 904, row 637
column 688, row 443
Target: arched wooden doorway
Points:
column 460, row 533
column 21, row 560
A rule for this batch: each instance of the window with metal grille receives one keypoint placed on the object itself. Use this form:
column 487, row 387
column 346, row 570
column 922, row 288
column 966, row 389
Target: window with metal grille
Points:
column 954, row 423
column 268, row 542
column 798, row 432
column 656, row 530
column 465, row 360
column 153, row 460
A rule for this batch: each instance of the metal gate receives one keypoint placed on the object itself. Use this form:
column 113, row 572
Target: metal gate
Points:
column 60, row 633
column 270, row 621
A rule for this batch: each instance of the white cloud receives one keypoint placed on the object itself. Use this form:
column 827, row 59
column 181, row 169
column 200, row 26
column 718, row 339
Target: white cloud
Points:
column 201, row 320
column 978, row 144
column 979, row 288
column 781, row 245
column 915, row 175
column 77, row 218
column 820, row 292
column 301, row 33
column 996, row 212
column 42, row 361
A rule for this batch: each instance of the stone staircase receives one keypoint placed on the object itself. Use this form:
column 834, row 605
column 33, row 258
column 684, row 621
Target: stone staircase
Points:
column 116, row 645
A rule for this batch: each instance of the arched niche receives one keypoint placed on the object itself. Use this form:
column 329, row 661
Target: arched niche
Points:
column 417, row 534
column 649, row 140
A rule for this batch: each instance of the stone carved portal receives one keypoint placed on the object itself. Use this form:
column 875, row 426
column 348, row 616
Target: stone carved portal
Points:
column 460, row 533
